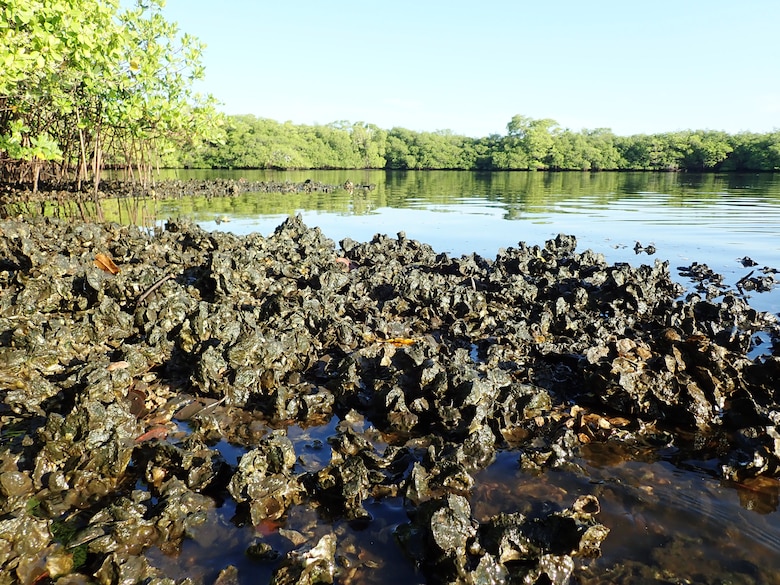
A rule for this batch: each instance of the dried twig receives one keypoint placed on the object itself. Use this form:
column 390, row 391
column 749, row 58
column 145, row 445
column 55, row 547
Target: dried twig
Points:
column 152, row 288
column 212, row 405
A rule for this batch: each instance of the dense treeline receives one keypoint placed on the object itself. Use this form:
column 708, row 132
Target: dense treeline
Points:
column 257, row 143
column 86, row 83
column 529, row 144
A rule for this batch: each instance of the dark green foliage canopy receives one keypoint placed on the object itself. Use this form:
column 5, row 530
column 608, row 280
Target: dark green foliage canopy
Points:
column 528, row 145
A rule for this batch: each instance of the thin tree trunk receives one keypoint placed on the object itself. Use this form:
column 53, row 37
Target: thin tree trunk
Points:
column 81, row 173
column 97, row 164
column 36, row 172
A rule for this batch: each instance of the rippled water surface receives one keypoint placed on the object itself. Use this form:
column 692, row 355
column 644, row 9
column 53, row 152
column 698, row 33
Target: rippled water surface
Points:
column 671, row 519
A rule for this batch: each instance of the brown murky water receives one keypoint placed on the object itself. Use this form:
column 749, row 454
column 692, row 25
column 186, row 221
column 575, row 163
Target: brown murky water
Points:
column 368, row 550
column 671, row 519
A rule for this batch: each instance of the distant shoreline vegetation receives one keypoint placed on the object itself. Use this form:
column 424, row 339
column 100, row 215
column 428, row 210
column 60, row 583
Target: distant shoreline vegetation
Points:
column 529, row 144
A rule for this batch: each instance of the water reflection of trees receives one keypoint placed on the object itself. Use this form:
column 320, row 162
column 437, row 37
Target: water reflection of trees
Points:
column 518, row 193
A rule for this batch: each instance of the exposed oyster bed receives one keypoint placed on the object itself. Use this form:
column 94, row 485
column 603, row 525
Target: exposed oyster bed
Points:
column 148, row 381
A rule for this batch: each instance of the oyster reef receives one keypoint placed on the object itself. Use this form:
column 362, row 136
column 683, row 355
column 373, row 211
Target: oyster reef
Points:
column 169, row 399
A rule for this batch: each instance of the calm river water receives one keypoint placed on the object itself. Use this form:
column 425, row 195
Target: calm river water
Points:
column 672, row 519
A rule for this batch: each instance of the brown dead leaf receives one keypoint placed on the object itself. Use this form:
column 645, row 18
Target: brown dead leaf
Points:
column 400, row 341
column 157, row 432
column 137, row 399
column 619, row 421
column 347, row 263
column 105, row 263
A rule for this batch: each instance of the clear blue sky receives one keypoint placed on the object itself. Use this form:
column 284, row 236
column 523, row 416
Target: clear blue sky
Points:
column 635, row 66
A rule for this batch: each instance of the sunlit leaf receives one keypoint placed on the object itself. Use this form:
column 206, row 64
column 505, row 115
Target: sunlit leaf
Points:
column 105, row 263
column 401, row 341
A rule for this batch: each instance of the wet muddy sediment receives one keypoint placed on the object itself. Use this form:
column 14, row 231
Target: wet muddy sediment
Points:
column 127, row 359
